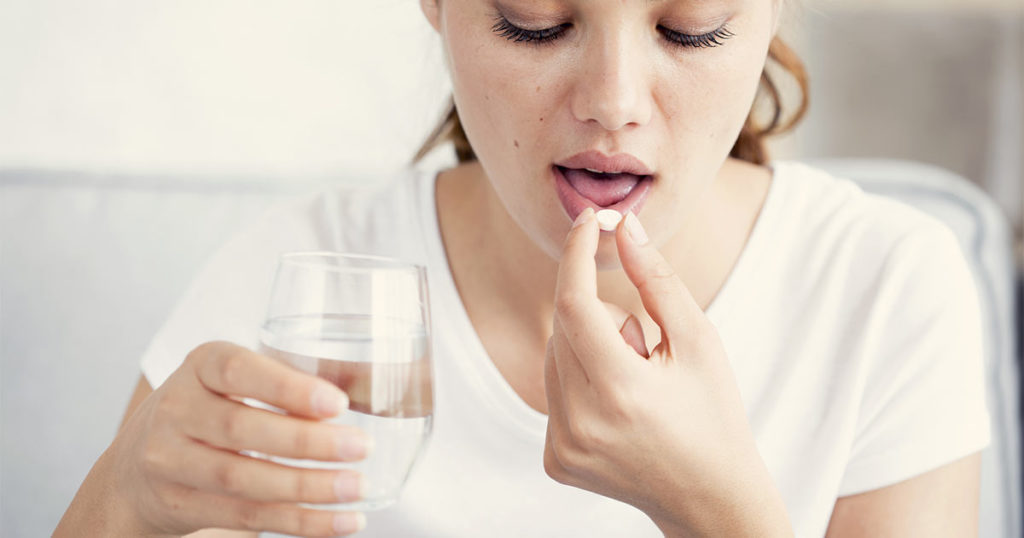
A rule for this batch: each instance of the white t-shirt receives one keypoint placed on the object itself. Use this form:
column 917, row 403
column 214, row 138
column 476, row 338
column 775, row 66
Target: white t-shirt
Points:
column 850, row 320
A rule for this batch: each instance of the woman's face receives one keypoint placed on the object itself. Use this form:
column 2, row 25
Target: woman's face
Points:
column 611, row 78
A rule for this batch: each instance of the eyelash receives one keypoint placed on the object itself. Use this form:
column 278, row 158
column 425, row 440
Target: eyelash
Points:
column 541, row 37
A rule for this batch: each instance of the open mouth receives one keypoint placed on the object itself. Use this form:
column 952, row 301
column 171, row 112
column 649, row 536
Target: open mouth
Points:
column 579, row 189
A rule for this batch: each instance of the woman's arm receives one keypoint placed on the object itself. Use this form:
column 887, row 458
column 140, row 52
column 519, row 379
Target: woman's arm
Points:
column 940, row 502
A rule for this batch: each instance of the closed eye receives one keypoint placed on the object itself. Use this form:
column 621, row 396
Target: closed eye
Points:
column 509, row 31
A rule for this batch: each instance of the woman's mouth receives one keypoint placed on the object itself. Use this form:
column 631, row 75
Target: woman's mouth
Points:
column 579, row 189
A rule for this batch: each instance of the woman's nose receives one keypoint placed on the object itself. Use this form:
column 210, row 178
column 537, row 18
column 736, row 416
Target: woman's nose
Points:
column 612, row 84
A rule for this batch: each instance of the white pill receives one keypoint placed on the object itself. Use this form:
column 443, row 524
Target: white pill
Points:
column 608, row 219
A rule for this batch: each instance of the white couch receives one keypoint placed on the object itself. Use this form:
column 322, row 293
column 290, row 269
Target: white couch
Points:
column 90, row 265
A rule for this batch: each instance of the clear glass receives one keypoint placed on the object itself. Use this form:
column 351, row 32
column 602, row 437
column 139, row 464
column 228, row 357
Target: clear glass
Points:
column 362, row 323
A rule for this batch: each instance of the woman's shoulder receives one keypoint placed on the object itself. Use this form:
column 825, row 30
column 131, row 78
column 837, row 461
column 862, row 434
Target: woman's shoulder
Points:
column 402, row 191
column 381, row 216
column 350, row 213
column 356, row 197
column 829, row 237
column 825, row 210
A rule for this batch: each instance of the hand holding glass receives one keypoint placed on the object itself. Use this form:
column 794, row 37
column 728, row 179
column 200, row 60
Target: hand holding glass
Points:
column 362, row 323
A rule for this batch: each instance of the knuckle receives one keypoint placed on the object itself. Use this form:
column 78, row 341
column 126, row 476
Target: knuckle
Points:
column 248, row 516
column 299, row 487
column 659, row 276
column 228, row 478
column 621, row 404
column 552, row 467
column 561, row 440
column 565, row 459
column 582, row 435
column 312, row 487
column 310, row 523
column 202, row 352
column 280, row 387
column 233, row 427
column 302, row 441
column 567, row 462
column 167, row 407
column 231, row 369
column 566, row 304
column 153, row 459
column 196, row 354
column 662, row 272
column 172, row 498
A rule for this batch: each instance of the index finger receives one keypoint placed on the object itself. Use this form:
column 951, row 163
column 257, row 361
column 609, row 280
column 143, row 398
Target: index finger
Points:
column 664, row 295
column 229, row 369
column 588, row 326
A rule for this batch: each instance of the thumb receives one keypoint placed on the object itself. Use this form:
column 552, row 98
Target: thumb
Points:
column 664, row 295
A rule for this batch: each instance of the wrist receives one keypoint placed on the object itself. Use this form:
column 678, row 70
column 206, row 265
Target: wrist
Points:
column 749, row 504
column 100, row 509
column 761, row 519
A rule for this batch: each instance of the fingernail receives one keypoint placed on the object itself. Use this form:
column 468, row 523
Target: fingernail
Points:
column 351, row 447
column 583, row 217
column 350, row 487
column 350, row 522
column 635, row 229
column 329, row 401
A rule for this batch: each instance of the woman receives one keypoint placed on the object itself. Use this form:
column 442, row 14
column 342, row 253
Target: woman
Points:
column 754, row 351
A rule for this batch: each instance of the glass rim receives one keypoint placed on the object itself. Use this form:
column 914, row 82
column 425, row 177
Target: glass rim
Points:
column 309, row 259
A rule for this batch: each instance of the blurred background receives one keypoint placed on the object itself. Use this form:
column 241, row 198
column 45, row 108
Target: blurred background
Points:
column 135, row 136
column 271, row 88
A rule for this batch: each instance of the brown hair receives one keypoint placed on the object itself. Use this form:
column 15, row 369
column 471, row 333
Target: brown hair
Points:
column 750, row 145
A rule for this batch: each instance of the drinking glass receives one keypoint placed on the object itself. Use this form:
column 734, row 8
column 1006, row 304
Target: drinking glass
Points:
column 362, row 323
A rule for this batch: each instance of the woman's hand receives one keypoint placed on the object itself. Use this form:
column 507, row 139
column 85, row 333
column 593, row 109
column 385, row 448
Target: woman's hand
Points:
column 666, row 433
column 176, row 465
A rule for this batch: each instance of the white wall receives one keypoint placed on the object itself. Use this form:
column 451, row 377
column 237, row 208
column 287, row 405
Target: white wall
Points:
column 239, row 86
column 283, row 88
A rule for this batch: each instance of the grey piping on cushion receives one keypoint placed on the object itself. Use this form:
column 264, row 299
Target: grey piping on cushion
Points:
column 184, row 182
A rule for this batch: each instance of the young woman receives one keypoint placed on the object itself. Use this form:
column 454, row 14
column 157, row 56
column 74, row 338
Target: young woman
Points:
column 756, row 350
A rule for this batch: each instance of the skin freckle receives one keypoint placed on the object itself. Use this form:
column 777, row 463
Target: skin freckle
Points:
column 542, row 119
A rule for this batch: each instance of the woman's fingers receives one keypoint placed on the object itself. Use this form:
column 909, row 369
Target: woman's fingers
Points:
column 201, row 509
column 633, row 333
column 231, row 425
column 552, row 384
column 557, row 419
column 570, row 370
column 629, row 327
column 210, row 469
column 664, row 295
column 229, row 369
column 588, row 326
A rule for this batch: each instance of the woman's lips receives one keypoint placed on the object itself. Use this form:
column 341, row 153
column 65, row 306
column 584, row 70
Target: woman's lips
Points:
column 574, row 203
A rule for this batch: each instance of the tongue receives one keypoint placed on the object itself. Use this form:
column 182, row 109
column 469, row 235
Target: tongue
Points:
column 602, row 189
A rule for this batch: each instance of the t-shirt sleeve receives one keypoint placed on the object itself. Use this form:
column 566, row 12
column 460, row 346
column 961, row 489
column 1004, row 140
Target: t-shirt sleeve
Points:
column 923, row 402
column 227, row 299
